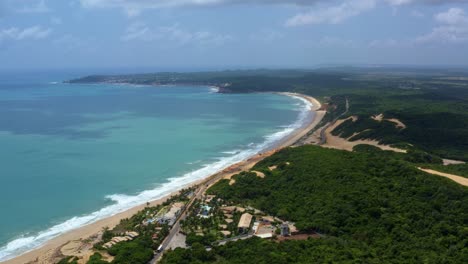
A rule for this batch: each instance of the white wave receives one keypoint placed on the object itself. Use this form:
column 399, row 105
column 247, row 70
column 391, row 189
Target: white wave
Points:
column 232, row 152
column 124, row 202
column 214, row 89
column 194, row 162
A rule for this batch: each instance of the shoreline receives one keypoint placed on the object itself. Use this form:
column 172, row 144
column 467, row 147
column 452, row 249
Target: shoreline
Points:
column 52, row 247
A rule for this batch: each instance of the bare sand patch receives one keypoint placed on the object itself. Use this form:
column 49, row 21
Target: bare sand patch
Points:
column 259, row 174
column 378, row 117
column 458, row 179
column 337, row 142
column 452, row 162
column 398, row 123
column 272, row 168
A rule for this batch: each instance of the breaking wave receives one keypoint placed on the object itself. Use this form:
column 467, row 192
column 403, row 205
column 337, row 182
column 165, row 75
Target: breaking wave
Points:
column 124, row 202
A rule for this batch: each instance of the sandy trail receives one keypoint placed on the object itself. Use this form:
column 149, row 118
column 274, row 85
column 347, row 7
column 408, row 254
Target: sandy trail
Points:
column 458, row 179
column 398, row 123
column 452, row 162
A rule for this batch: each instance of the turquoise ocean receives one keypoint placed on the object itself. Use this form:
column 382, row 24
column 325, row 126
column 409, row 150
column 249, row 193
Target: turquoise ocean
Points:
column 71, row 154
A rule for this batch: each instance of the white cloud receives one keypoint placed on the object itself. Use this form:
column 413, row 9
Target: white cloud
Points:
column 140, row 31
column 454, row 16
column 34, row 32
column 428, row 2
column 339, row 10
column 453, row 28
column 399, row 2
column 333, row 14
column 134, row 7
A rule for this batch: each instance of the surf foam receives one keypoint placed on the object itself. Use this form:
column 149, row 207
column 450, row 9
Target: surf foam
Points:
column 124, row 202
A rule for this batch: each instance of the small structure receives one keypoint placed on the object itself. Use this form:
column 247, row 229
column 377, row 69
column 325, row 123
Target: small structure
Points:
column 268, row 219
column 244, row 223
column 228, row 216
column 293, row 229
column 129, row 235
column 264, row 235
column 284, row 230
column 240, row 209
column 204, row 211
column 226, row 233
column 209, row 198
column 255, row 226
column 170, row 216
column 228, row 209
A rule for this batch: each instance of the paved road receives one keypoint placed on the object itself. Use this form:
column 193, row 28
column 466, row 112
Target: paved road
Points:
column 176, row 227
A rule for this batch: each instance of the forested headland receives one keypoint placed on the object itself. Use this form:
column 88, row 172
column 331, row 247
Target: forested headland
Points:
column 369, row 208
column 369, row 205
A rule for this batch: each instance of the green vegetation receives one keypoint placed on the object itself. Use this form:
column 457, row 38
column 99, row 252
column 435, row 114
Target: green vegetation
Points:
column 96, row 258
column 206, row 230
column 68, row 260
column 432, row 103
column 457, row 169
column 371, row 208
column 137, row 251
column 139, row 247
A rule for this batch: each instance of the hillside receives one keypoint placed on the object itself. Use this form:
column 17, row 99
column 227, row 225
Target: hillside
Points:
column 370, row 208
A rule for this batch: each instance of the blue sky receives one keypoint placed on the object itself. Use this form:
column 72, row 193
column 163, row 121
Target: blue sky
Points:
column 197, row 34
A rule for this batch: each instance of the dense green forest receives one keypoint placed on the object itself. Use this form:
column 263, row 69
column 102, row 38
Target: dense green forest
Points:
column 457, row 169
column 371, row 208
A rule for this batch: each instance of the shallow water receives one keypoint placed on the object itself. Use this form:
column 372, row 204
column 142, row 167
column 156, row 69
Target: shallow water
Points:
column 73, row 154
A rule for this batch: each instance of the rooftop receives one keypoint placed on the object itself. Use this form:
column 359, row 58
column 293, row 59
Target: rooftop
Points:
column 245, row 221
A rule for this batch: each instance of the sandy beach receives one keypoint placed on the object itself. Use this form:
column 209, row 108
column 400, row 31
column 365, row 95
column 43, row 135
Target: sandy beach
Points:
column 52, row 249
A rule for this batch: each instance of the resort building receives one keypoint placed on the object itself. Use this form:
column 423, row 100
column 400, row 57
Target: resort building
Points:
column 244, row 223
column 284, row 230
column 129, row 235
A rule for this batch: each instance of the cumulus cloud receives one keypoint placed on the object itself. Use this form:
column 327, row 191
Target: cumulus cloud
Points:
column 140, row 31
column 34, row 32
column 452, row 28
column 430, row 2
column 337, row 11
column 453, row 16
column 134, row 8
column 333, row 14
